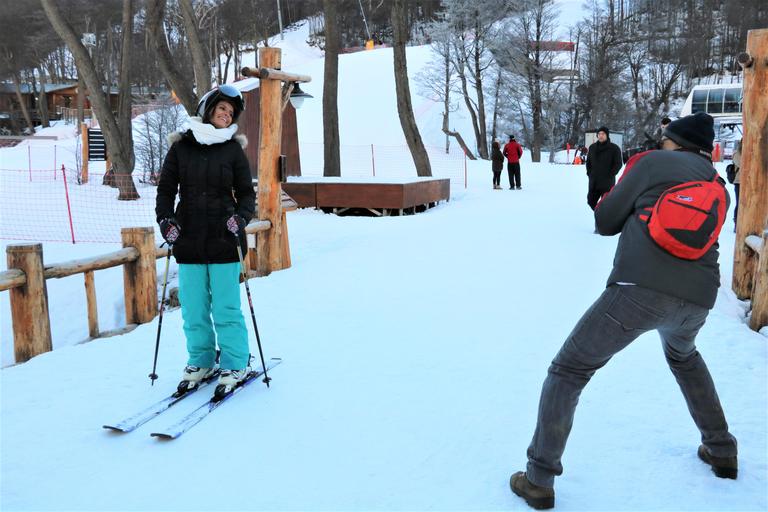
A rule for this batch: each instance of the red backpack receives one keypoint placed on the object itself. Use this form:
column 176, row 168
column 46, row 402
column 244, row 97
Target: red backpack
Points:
column 687, row 218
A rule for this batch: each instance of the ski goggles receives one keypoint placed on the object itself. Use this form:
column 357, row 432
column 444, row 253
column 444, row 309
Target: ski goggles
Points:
column 230, row 91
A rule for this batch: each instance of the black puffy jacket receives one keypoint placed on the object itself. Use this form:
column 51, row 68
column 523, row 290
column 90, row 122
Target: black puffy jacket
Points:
column 213, row 182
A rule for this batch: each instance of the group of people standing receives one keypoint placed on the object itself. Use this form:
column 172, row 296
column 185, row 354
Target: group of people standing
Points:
column 512, row 151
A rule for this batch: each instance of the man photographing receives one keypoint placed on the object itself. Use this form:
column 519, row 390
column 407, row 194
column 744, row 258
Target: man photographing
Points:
column 649, row 288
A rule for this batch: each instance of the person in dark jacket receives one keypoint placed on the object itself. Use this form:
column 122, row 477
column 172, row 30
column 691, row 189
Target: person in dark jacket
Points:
column 513, row 151
column 207, row 167
column 603, row 164
column 497, row 164
column 648, row 289
column 660, row 132
column 736, row 181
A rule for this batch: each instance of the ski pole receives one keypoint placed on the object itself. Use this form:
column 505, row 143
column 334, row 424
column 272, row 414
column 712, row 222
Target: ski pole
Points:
column 153, row 375
column 250, row 303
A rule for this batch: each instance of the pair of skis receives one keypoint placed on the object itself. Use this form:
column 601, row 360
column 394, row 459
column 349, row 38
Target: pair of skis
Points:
column 133, row 422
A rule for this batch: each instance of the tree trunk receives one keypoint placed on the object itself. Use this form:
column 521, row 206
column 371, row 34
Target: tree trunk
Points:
column 43, row 100
column 461, row 70
column 496, row 105
column 22, row 104
column 482, row 143
column 80, row 102
column 125, row 104
column 331, row 141
column 404, row 107
column 459, row 138
column 447, row 98
column 155, row 12
column 120, row 156
column 199, row 56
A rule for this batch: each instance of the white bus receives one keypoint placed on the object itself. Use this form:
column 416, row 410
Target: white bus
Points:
column 719, row 101
column 724, row 103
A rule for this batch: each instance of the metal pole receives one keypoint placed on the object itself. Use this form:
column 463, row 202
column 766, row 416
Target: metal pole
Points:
column 153, row 375
column 253, row 314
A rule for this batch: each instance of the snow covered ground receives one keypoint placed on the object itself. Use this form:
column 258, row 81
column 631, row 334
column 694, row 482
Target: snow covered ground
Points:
column 413, row 350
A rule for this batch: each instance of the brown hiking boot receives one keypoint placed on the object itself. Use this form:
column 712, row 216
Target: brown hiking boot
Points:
column 723, row 467
column 534, row 495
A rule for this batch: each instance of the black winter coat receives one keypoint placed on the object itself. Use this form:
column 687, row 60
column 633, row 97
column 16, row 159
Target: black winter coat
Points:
column 603, row 164
column 497, row 159
column 638, row 258
column 213, row 183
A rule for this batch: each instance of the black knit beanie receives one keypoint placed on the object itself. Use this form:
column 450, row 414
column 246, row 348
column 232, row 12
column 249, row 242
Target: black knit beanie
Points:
column 604, row 129
column 695, row 132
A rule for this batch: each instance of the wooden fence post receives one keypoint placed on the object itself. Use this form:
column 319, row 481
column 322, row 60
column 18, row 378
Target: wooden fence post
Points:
column 268, row 253
column 29, row 303
column 85, row 155
column 759, row 317
column 753, row 200
column 285, row 247
column 140, row 276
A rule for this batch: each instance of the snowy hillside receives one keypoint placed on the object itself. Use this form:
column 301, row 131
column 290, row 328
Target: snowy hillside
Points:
column 413, row 350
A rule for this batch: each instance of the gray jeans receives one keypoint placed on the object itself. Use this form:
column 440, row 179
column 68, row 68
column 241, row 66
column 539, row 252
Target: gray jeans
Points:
column 621, row 314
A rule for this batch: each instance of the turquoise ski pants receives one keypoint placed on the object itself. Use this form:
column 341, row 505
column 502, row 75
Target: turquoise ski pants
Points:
column 210, row 307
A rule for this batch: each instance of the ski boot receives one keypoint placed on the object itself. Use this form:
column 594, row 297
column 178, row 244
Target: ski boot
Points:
column 230, row 379
column 193, row 376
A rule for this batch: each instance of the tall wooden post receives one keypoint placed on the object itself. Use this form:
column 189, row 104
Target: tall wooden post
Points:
column 759, row 317
column 268, row 252
column 140, row 276
column 29, row 303
column 753, row 201
column 85, row 155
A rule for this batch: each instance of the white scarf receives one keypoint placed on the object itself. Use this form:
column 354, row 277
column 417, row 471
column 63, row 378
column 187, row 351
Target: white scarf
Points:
column 208, row 134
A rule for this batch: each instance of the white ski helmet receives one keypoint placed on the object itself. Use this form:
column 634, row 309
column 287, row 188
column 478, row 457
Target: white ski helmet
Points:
column 226, row 92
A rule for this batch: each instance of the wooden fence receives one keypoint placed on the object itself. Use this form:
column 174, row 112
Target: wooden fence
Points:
column 26, row 281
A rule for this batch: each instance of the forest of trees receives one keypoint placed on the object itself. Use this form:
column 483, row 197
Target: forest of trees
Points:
column 631, row 58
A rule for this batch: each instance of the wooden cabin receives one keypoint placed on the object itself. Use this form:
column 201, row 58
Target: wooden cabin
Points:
column 249, row 126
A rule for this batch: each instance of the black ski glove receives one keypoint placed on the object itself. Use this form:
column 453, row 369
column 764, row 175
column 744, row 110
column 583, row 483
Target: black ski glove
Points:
column 170, row 229
column 236, row 224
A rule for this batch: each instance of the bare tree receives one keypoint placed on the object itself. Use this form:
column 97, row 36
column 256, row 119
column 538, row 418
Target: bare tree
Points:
column 199, row 53
column 155, row 13
column 332, row 158
column 17, row 51
column 404, row 107
column 437, row 82
column 120, row 153
column 525, row 53
column 472, row 27
column 152, row 137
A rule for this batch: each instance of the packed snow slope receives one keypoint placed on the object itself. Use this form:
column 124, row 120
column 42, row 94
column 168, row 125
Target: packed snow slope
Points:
column 414, row 349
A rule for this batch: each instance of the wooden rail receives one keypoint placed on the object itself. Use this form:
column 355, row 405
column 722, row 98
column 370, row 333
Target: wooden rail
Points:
column 759, row 247
column 27, row 275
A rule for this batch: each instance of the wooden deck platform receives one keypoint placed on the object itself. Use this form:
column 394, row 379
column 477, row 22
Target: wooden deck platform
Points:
column 377, row 197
